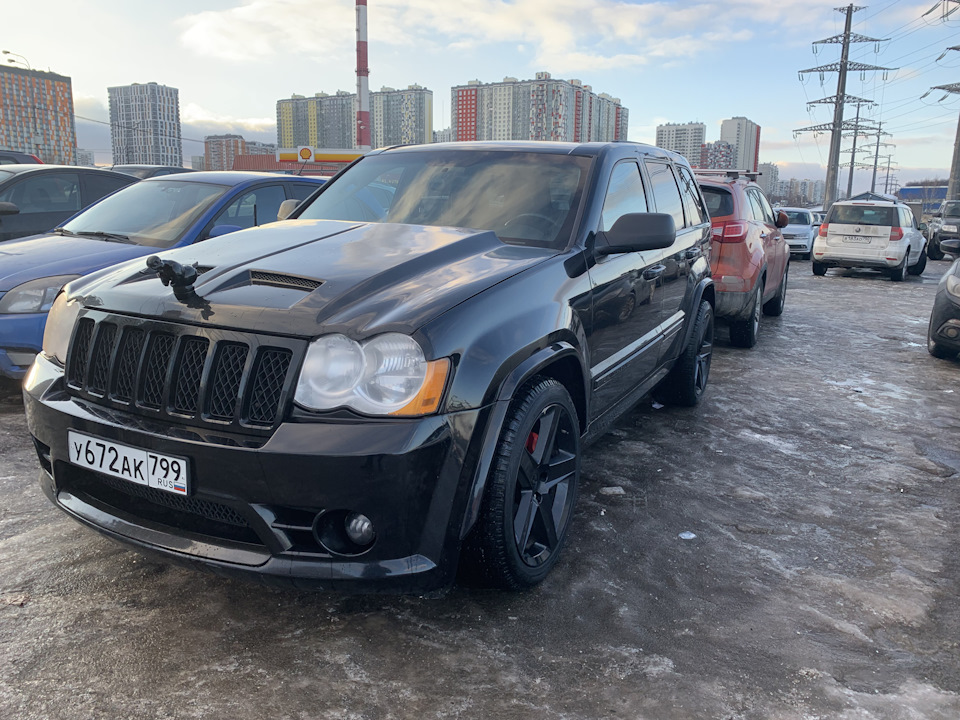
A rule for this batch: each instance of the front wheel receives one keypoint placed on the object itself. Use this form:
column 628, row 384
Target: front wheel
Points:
column 774, row 307
column 920, row 266
column 687, row 381
column 933, row 248
column 528, row 503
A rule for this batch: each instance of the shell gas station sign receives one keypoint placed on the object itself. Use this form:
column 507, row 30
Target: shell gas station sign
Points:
column 305, row 154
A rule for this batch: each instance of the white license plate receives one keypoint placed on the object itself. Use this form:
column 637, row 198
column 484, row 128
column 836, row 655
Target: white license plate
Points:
column 856, row 239
column 163, row 472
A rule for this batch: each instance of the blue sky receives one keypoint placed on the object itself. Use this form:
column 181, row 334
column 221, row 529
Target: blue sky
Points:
column 667, row 61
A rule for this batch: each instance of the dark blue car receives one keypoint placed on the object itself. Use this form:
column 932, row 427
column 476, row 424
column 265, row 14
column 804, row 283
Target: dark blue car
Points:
column 139, row 220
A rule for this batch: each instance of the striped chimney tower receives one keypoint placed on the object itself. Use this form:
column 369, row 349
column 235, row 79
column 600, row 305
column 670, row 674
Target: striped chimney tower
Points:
column 363, row 82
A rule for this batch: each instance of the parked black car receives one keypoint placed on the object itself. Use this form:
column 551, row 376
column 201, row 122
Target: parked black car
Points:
column 8, row 157
column 397, row 381
column 945, row 225
column 37, row 198
column 943, row 332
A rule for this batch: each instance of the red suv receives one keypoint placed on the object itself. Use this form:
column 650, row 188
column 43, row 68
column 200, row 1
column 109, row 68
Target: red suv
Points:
column 749, row 257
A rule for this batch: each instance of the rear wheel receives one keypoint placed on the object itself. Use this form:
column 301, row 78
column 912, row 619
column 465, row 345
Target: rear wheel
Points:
column 898, row 273
column 774, row 307
column 743, row 333
column 531, row 491
column 920, row 266
column 819, row 269
column 687, row 381
column 933, row 248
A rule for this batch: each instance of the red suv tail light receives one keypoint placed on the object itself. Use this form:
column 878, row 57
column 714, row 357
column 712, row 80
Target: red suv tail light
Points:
column 823, row 229
column 896, row 234
column 730, row 232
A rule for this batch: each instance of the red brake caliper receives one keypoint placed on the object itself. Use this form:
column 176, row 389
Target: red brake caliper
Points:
column 531, row 444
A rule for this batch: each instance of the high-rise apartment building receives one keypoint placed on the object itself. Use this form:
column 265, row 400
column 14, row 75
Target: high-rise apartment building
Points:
column 769, row 177
column 686, row 139
column 145, row 124
column 397, row 117
column 220, row 150
column 744, row 136
column 198, row 162
column 544, row 108
column 401, row 117
column 85, row 158
column 255, row 147
column 36, row 115
column 717, row 155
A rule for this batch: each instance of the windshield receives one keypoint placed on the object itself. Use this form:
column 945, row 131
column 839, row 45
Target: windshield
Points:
column 526, row 198
column 4, row 174
column 155, row 212
column 951, row 209
column 862, row 215
column 795, row 217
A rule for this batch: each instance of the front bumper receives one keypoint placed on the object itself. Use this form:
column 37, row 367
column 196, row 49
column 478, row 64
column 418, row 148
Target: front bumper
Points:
column 21, row 337
column 255, row 502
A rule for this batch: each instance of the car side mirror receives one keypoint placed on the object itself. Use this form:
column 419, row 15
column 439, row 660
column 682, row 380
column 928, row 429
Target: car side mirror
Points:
column 223, row 230
column 921, row 227
column 782, row 220
column 286, row 208
column 636, row 232
column 8, row 208
column 951, row 246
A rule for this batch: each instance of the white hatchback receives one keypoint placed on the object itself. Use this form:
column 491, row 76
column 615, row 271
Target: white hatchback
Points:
column 881, row 235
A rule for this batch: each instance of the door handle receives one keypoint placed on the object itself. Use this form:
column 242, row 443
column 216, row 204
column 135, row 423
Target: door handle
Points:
column 654, row 272
column 764, row 236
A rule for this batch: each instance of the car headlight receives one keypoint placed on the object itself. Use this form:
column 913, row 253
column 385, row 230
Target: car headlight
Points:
column 35, row 296
column 60, row 321
column 953, row 283
column 385, row 375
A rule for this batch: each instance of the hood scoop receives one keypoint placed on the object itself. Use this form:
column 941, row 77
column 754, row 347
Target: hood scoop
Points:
column 282, row 280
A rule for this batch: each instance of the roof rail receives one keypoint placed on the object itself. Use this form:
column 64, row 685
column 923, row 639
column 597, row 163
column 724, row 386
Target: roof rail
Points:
column 732, row 174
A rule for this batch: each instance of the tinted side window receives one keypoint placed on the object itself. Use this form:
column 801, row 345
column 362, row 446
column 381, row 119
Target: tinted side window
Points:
column 49, row 192
column 98, row 186
column 257, row 207
column 765, row 204
column 666, row 194
column 692, row 202
column 624, row 194
column 719, row 201
column 301, row 191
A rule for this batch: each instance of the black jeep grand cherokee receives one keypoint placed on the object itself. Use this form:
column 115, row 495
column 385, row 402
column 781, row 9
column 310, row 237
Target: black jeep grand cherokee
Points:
column 397, row 382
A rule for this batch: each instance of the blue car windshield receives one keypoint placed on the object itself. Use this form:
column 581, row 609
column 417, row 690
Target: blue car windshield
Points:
column 154, row 212
column 526, row 198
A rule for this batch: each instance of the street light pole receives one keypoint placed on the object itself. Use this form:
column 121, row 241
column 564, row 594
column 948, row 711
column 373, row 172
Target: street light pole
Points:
column 15, row 55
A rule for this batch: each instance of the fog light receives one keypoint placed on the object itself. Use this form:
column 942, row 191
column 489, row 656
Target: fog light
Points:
column 950, row 332
column 359, row 529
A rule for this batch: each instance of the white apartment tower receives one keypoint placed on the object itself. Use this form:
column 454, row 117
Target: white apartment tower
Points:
column 686, row 139
column 544, row 108
column 401, row 117
column 744, row 135
column 145, row 124
column 769, row 178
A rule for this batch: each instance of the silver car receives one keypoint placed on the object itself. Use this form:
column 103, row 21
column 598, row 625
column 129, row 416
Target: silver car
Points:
column 801, row 230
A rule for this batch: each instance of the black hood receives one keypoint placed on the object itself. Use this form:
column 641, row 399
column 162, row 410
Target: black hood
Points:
column 307, row 277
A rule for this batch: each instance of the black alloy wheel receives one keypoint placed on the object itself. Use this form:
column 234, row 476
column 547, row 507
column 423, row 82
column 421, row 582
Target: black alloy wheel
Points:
column 687, row 381
column 531, row 491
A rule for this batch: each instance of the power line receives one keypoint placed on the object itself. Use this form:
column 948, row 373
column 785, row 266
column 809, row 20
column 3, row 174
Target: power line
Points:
column 136, row 129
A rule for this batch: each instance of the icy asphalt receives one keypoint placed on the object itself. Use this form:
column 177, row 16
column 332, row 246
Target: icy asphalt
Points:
column 786, row 550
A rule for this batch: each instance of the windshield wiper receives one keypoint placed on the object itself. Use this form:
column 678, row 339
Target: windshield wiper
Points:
column 105, row 235
column 63, row 231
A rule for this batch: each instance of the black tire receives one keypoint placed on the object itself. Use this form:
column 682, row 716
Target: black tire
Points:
column 933, row 248
column 530, row 494
column 819, row 269
column 774, row 306
column 898, row 273
column 687, row 381
column 938, row 350
column 920, row 266
column 743, row 333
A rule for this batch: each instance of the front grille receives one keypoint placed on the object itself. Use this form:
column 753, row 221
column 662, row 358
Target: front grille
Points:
column 183, row 373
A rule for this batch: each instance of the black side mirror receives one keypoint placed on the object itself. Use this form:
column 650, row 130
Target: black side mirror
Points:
column 8, row 208
column 782, row 220
column 635, row 232
column 951, row 246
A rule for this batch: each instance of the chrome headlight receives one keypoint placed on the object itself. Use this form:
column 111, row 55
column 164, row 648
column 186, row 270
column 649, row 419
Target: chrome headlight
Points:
column 35, row 296
column 60, row 321
column 953, row 282
column 385, row 375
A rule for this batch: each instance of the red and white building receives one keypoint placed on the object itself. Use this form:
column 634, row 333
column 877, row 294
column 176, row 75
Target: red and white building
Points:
column 544, row 108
